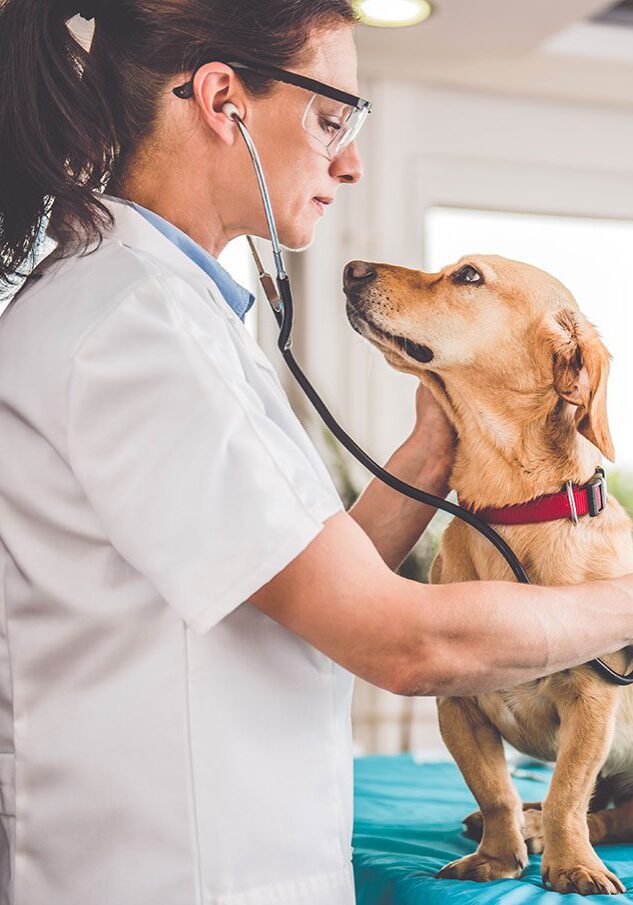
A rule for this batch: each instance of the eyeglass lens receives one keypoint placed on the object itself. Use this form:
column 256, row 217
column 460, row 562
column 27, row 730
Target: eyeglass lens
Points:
column 332, row 124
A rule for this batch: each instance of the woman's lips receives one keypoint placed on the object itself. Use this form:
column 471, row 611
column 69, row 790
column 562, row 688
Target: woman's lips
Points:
column 321, row 203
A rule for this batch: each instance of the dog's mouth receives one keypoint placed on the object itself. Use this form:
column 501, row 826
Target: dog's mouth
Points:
column 359, row 319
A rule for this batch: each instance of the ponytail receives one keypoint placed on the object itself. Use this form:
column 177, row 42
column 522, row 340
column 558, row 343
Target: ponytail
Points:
column 71, row 118
column 56, row 136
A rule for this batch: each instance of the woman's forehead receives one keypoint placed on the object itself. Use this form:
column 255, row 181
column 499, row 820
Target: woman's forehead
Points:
column 333, row 58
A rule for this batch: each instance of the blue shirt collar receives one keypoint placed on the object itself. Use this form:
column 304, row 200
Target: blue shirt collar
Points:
column 239, row 298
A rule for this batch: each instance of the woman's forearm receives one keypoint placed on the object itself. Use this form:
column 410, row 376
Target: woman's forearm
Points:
column 485, row 636
column 393, row 521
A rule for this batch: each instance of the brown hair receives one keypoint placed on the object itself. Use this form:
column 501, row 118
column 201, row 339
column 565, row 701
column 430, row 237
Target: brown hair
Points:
column 69, row 118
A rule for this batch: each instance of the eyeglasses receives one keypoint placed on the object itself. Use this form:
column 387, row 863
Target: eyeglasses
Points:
column 334, row 118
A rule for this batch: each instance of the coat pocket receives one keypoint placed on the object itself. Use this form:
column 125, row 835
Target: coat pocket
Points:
column 7, row 826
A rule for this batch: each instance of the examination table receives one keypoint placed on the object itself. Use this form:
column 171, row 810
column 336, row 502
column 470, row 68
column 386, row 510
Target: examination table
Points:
column 408, row 825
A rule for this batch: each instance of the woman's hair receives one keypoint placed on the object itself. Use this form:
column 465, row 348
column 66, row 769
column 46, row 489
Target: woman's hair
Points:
column 70, row 118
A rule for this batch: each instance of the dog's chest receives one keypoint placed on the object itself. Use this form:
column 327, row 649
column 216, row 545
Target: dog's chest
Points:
column 529, row 721
column 526, row 719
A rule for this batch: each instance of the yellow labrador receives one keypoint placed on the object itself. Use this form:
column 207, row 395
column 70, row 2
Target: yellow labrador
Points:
column 522, row 376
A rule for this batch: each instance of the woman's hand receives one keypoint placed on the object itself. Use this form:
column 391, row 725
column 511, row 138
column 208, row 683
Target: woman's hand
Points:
column 433, row 435
column 392, row 521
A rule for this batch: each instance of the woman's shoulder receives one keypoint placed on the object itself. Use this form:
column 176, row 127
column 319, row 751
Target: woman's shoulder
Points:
column 112, row 287
column 74, row 293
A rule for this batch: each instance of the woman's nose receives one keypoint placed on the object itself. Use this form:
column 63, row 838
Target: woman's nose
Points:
column 348, row 166
column 357, row 273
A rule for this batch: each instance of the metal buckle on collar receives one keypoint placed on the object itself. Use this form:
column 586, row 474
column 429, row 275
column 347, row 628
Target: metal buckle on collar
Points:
column 597, row 492
column 569, row 487
column 596, row 495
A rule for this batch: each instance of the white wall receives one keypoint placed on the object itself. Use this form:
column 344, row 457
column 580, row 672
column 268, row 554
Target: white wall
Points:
column 423, row 147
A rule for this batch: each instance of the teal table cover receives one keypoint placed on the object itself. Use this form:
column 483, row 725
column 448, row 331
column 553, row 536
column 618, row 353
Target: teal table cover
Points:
column 408, row 825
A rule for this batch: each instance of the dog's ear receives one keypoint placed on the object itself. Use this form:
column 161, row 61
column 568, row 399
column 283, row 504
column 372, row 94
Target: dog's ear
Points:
column 581, row 369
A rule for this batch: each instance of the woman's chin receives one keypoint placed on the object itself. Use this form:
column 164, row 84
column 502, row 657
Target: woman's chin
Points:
column 297, row 239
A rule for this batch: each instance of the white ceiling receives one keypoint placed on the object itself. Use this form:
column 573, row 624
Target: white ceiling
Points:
column 528, row 48
column 541, row 48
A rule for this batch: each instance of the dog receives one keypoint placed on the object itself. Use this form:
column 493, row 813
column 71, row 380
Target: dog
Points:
column 522, row 376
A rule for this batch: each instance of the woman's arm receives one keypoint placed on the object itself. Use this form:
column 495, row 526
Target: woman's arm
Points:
column 395, row 522
column 454, row 639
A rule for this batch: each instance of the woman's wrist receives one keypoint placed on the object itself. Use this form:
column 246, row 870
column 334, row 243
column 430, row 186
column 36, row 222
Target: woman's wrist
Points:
column 432, row 466
column 624, row 585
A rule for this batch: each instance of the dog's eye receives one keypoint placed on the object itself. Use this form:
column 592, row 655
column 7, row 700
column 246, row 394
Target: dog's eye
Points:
column 467, row 274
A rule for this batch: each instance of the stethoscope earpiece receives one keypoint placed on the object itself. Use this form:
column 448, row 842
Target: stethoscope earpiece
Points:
column 230, row 110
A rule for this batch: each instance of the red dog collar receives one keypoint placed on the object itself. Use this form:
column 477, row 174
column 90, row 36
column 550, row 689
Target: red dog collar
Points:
column 572, row 502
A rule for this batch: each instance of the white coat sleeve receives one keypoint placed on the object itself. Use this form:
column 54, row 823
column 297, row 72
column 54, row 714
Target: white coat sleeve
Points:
column 180, row 460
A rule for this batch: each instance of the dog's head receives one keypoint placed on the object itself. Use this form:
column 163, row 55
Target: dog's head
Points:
column 487, row 332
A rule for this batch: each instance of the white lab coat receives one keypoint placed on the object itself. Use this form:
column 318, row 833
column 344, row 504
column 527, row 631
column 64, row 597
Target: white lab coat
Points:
column 162, row 742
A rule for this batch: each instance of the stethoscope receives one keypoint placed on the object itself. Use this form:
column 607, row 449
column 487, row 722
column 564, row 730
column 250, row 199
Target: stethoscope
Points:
column 280, row 299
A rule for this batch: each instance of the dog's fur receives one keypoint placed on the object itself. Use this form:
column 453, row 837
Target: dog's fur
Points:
column 522, row 376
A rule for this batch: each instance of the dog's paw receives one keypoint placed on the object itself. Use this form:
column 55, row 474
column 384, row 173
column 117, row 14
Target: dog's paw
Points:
column 483, row 867
column 474, row 826
column 533, row 831
column 586, row 878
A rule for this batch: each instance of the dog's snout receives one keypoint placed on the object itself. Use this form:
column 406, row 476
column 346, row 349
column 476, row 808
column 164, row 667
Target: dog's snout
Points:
column 358, row 272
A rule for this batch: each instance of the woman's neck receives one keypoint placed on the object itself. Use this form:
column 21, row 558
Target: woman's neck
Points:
column 169, row 198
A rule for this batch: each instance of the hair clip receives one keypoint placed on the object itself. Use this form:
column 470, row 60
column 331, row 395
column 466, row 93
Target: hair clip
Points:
column 88, row 10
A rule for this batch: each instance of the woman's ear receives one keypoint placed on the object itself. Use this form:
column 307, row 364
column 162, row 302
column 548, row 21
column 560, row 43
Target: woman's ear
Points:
column 581, row 370
column 215, row 85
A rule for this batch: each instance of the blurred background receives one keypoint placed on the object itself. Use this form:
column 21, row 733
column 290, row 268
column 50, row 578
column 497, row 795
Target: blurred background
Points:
column 498, row 127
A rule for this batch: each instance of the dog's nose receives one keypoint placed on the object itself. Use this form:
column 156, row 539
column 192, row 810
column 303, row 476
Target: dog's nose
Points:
column 357, row 272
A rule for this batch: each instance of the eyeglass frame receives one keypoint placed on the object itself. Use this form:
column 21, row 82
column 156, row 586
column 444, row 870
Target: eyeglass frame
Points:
column 185, row 91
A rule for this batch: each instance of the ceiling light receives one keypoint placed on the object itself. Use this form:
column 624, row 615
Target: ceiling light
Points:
column 393, row 13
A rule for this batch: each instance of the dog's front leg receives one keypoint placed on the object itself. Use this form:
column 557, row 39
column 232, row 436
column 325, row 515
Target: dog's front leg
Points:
column 586, row 729
column 478, row 750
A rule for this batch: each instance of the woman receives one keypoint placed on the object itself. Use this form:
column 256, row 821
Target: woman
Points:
column 184, row 598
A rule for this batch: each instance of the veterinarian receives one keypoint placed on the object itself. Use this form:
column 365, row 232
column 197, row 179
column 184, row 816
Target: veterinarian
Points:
column 184, row 600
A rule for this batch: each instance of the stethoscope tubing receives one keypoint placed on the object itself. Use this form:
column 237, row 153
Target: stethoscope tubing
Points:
column 283, row 309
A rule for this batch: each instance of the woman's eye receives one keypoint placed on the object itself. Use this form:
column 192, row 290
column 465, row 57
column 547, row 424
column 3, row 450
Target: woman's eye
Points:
column 467, row 274
column 331, row 126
